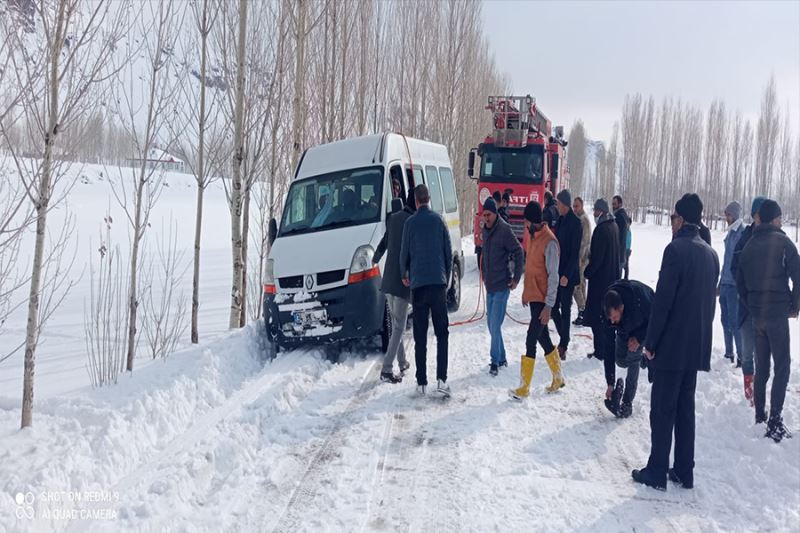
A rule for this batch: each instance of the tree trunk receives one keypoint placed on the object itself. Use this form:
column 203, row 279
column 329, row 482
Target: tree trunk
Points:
column 236, row 186
column 299, row 84
column 245, row 236
column 201, row 177
column 43, row 202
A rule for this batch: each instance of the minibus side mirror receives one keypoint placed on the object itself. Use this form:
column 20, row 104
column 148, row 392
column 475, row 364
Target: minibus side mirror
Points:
column 273, row 231
column 397, row 205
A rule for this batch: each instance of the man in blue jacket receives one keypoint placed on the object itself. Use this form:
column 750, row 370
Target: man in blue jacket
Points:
column 426, row 259
column 678, row 345
column 728, row 297
column 500, row 248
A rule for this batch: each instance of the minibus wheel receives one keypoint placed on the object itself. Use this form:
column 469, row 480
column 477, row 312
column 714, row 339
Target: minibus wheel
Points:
column 454, row 292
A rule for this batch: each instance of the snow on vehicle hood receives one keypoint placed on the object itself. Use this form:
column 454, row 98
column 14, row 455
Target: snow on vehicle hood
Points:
column 321, row 251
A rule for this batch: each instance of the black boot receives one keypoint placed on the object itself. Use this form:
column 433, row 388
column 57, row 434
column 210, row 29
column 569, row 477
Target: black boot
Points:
column 685, row 481
column 761, row 417
column 645, row 477
column 578, row 320
column 625, row 410
column 616, row 396
column 776, row 430
column 388, row 377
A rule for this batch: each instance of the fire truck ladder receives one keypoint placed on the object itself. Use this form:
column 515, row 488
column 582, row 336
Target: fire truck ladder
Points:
column 514, row 117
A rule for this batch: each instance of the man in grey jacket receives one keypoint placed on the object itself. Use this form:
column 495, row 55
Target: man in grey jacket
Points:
column 500, row 247
column 397, row 294
column 426, row 260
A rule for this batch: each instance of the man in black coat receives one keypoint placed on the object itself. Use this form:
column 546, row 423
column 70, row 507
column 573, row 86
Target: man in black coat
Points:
column 621, row 218
column 627, row 305
column 550, row 211
column 569, row 234
column 748, row 349
column 678, row 345
column 604, row 268
column 765, row 267
column 397, row 294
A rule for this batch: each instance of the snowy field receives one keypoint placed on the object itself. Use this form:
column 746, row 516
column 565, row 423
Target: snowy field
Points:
column 213, row 440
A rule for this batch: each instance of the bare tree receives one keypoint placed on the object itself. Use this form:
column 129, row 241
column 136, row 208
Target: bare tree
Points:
column 154, row 79
column 74, row 56
column 105, row 313
column 576, row 156
column 164, row 315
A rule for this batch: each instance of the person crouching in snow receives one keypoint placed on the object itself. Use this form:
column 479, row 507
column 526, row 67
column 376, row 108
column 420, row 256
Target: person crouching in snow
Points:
column 540, row 288
column 627, row 305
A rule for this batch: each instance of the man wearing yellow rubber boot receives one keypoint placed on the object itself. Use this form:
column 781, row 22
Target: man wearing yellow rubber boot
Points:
column 540, row 289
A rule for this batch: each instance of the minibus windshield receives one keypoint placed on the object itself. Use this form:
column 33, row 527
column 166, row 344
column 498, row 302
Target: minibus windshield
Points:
column 335, row 200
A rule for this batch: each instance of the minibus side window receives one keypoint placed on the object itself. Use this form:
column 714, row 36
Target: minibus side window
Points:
column 435, row 189
column 449, row 189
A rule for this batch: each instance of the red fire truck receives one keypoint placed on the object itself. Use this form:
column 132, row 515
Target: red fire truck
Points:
column 522, row 156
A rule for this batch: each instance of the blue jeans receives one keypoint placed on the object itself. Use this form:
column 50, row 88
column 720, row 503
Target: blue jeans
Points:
column 496, row 303
column 748, row 346
column 729, row 306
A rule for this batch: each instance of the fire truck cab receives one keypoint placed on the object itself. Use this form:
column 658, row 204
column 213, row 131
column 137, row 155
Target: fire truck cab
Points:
column 522, row 157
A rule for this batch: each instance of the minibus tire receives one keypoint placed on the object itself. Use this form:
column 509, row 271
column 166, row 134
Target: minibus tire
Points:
column 454, row 291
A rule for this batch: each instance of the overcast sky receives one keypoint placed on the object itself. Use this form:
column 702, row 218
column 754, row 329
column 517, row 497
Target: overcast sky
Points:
column 580, row 59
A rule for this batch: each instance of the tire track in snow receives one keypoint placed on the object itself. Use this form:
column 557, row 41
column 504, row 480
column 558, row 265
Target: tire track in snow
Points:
column 145, row 473
column 304, row 492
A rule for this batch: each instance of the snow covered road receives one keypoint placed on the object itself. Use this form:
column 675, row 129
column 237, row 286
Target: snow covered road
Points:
column 212, row 440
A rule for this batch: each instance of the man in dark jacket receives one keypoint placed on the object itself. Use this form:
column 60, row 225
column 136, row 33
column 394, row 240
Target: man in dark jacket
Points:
column 397, row 294
column 426, row 257
column 569, row 233
column 603, row 270
column 678, row 345
column 500, row 247
column 745, row 320
column 622, row 220
column 627, row 305
column 550, row 211
column 765, row 267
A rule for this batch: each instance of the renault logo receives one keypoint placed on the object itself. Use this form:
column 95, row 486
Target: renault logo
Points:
column 309, row 281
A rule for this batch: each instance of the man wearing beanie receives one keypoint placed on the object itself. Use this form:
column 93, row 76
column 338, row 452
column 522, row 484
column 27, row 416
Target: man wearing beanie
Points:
column 550, row 212
column 743, row 314
column 569, row 233
column 678, row 345
column 728, row 297
column 500, row 247
column 603, row 270
column 766, row 265
column 540, row 289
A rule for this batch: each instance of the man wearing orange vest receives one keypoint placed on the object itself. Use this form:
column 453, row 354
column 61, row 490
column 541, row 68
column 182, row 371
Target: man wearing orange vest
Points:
column 540, row 289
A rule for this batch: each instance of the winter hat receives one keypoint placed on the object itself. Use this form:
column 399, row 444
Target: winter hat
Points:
column 734, row 209
column 757, row 201
column 533, row 213
column 769, row 211
column 690, row 207
column 565, row 197
column 601, row 205
column 490, row 205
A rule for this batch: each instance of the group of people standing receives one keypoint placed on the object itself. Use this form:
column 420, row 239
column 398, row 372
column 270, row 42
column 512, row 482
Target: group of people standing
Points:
column 669, row 331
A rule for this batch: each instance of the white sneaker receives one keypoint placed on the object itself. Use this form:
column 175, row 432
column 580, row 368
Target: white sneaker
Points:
column 421, row 390
column 443, row 388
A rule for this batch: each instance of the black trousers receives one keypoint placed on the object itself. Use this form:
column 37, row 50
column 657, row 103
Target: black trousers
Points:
column 430, row 301
column 672, row 408
column 771, row 338
column 537, row 332
column 627, row 265
column 603, row 336
column 561, row 313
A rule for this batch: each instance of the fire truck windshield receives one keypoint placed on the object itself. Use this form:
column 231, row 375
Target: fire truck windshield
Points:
column 512, row 165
